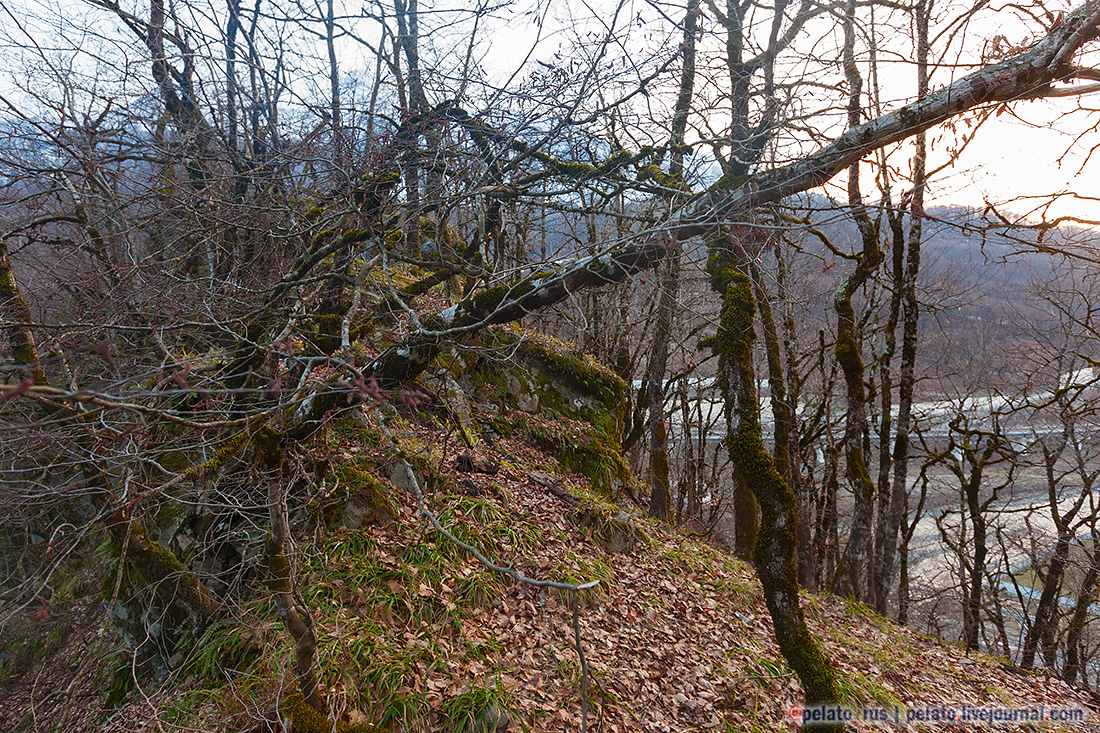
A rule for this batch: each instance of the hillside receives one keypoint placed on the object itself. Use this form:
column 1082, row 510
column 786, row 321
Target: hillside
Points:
column 414, row 633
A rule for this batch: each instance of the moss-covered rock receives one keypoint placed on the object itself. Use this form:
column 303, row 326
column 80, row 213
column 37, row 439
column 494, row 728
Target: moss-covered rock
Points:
column 571, row 400
column 590, row 384
column 360, row 499
column 586, row 448
column 306, row 719
column 614, row 533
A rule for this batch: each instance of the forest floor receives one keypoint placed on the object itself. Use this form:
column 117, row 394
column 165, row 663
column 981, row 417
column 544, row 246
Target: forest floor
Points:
column 415, row 634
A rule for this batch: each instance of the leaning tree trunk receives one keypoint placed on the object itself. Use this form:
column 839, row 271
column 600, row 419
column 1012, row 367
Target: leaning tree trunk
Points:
column 777, row 543
column 1044, row 625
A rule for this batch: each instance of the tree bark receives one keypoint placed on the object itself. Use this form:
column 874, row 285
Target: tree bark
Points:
column 18, row 315
column 1086, row 596
column 853, row 575
column 296, row 617
column 775, row 548
column 660, row 496
column 911, row 315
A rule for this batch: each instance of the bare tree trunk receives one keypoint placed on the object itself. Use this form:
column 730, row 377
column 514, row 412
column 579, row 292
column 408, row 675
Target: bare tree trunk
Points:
column 1044, row 626
column 339, row 144
column 660, row 496
column 1086, row 596
column 911, row 314
column 297, row 618
column 233, row 26
column 854, row 573
column 407, row 41
column 910, row 529
column 972, row 613
column 879, row 577
column 806, row 570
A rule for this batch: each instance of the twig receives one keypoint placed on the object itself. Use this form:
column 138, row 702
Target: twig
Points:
column 101, row 401
column 574, row 589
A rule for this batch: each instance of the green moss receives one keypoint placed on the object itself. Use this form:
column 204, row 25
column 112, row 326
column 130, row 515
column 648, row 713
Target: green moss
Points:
column 653, row 172
column 320, row 237
column 216, row 462
column 576, row 369
column 582, row 447
column 353, row 236
column 361, row 499
column 269, row 447
column 730, row 181
column 309, row 720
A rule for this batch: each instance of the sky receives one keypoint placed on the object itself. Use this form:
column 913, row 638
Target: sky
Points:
column 1016, row 161
column 1031, row 152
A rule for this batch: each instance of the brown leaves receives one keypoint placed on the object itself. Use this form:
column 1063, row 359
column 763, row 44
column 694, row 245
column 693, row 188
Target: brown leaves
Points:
column 679, row 638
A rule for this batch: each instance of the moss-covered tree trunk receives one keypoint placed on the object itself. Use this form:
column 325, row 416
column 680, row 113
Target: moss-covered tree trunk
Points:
column 882, row 577
column 855, row 568
column 18, row 314
column 297, row 619
column 777, row 542
column 784, row 453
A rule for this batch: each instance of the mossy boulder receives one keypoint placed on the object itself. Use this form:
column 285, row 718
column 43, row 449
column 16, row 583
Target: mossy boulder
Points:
column 566, row 379
column 305, row 719
column 523, row 369
column 614, row 533
column 361, row 499
column 580, row 446
column 561, row 399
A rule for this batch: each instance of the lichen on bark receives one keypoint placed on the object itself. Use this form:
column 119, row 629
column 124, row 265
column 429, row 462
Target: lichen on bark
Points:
column 777, row 541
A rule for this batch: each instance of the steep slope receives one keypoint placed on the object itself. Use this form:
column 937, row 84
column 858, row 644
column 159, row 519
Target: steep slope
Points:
column 414, row 633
